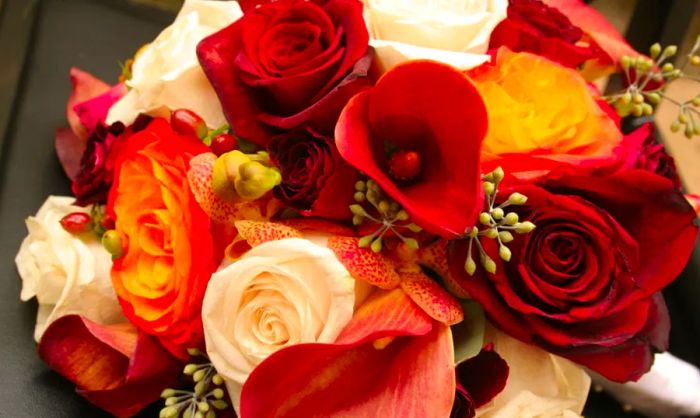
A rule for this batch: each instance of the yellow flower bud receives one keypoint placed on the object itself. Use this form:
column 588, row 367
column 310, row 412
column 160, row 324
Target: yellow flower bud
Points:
column 655, row 50
column 113, row 242
column 484, row 218
column 470, row 266
column 488, row 263
column 670, row 50
column 497, row 214
column 511, row 218
column 505, row 237
column 517, row 199
column 524, row 227
column 255, row 179
column 504, row 253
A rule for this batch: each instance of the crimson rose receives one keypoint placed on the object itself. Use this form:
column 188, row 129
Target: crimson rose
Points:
column 640, row 149
column 315, row 179
column 585, row 283
column 532, row 26
column 288, row 63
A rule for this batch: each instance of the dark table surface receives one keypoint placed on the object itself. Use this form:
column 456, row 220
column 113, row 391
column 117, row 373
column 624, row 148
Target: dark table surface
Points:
column 39, row 42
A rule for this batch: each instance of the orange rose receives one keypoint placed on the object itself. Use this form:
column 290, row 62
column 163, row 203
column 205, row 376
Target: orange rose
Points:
column 539, row 107
column 168, row 257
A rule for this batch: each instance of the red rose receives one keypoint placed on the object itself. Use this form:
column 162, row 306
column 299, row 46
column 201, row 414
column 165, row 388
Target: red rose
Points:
column 434, row 113
column 585, row 283
column 532, row 26
column 315, row 179
column 640, row 149
column 479, row 380
column 287, row 63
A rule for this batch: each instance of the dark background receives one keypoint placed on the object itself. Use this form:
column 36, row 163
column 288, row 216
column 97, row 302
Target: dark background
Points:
column 39, row 42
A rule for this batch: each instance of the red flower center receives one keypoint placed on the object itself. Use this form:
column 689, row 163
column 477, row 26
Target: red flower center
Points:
column 404, row 165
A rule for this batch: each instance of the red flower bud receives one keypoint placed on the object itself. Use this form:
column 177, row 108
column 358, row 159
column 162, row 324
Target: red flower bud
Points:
column 186, row 122
column 76, row 222
column 223, row 143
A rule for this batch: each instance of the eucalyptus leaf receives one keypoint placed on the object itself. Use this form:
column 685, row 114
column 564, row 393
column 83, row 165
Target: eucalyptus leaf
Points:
column 468, row 335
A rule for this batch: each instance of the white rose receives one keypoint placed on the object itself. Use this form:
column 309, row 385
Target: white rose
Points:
column 66, row 273
column 166, row 74
column 539, row 384
column 453, row 32
column 279, row 294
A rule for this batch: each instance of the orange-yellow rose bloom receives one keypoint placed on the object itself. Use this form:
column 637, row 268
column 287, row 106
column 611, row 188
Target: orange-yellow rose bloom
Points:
column 168, row 260
column 538, row 107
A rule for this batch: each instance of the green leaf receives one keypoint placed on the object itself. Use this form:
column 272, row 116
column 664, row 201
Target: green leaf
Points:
column 468, row 335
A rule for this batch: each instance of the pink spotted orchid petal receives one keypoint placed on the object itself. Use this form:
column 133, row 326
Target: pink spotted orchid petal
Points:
column 435, row 258
column 363, row 263
column 431, row 297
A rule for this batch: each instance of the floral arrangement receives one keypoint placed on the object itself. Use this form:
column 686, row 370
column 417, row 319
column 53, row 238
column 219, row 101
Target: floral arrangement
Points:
column 336, row 208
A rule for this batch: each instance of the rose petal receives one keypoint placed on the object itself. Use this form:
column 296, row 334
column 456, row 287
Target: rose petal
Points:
column 85, row 86
column 69, row 148
column 472, row 372
column 93, row 111
column 599, row 29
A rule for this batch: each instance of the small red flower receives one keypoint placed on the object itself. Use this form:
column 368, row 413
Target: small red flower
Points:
column 434, row 114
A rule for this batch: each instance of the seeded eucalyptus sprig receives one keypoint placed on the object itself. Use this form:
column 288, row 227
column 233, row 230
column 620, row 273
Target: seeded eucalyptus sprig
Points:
column 641, row 73
column 495, row 223
column 389, row 216
column 206, row 397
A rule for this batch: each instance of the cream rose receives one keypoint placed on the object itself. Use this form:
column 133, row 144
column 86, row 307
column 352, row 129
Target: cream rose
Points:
column 166, row 74
column 539, row 384
column 454, row 32
column 66, row 273
column 280, row 293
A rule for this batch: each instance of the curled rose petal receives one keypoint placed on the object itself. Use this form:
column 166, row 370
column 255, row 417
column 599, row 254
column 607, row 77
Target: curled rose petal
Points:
column 69, row 149
column 85, row 87
column 117, row 368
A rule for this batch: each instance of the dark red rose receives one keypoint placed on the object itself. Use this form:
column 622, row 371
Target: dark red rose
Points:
column 315, row 180
column 430, row 111
column 585, row 283
column 532, row 26
column 288, row 63
column 94, row 178
column 479, row 380
column 640, row 149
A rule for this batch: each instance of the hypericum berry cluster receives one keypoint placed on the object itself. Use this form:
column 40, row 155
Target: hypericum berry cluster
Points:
column 495, row 223
column 648, row 78
column 204, row 400
column 389, row 216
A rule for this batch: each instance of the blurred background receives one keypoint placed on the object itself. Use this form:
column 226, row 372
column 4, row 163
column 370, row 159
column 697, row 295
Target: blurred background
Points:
column 41, row 39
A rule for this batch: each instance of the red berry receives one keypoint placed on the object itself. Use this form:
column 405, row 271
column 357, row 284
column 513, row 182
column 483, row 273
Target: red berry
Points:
column 404, row 165
column 223, row 143
column 76, row 222
column 186, row 122
column 107, row 222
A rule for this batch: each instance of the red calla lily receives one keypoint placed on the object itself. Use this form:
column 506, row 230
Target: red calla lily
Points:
column 116, row 367
column 434, row 111
column 390, row 360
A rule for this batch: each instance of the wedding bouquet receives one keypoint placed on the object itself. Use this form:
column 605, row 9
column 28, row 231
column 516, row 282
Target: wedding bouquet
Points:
column 383, row 209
